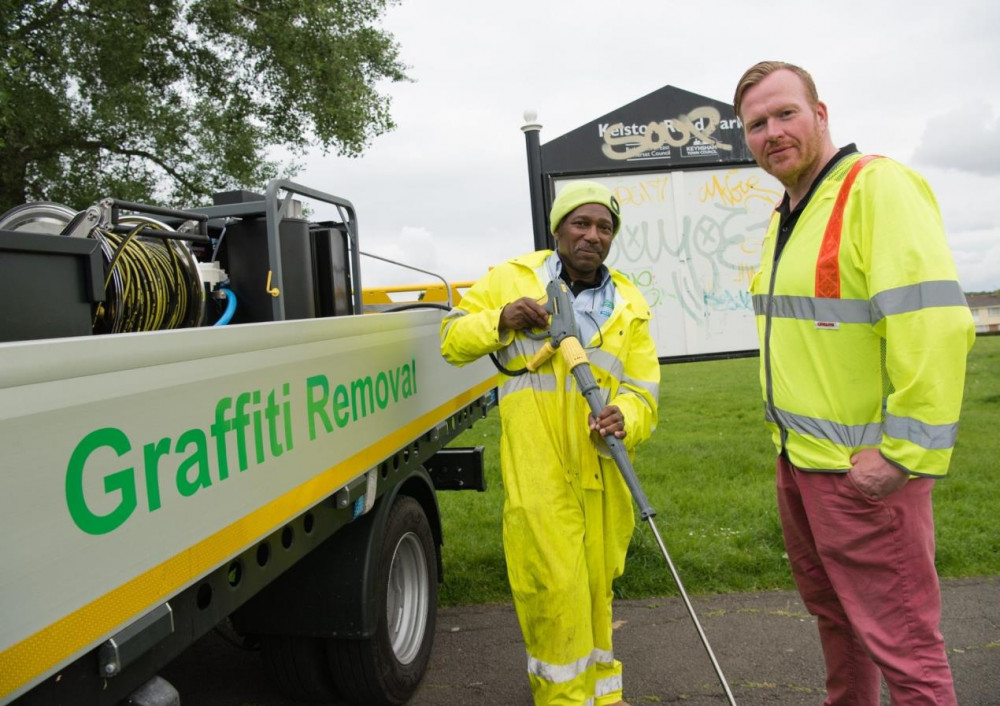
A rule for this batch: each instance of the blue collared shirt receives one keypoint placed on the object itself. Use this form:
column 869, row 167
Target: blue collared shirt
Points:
column 592, row 306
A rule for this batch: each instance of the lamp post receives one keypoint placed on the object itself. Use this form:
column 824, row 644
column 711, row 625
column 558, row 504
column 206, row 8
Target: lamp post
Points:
column 531, row 128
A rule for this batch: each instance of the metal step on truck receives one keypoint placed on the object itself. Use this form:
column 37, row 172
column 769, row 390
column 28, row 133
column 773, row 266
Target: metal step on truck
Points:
column 202, row 427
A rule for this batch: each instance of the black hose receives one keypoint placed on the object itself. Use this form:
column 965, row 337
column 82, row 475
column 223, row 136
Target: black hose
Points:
column 434, row 305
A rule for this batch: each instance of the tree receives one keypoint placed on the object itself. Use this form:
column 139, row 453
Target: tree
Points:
column 168, row 101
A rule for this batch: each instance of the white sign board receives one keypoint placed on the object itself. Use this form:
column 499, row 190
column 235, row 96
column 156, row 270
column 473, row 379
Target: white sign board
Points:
column 691, row 242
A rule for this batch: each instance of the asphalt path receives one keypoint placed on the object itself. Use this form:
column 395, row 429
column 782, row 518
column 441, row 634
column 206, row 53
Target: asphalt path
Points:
column 765, row 643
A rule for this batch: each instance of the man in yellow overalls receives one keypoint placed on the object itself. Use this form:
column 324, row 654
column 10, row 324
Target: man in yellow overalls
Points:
column 568, row 517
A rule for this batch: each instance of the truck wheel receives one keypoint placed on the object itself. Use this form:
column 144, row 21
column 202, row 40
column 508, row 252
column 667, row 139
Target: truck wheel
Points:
column 386, row 668
column 297, row 666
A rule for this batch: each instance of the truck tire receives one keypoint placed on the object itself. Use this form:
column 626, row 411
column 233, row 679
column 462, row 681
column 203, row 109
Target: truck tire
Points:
column 386, row 668
column 298, row 667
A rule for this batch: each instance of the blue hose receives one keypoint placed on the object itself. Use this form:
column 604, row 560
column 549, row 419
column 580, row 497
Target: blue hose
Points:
column 227, row 315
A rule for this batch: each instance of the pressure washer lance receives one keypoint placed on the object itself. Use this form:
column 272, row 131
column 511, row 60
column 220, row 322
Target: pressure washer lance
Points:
column 562, row 336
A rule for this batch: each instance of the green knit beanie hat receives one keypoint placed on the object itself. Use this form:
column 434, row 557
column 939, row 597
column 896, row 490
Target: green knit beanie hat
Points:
column 577, row 193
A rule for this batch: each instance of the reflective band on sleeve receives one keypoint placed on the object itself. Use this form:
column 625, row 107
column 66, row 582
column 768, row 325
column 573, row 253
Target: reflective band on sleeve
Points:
column 609, row 685
column 650, row 387
column 850, row 435
column 828, row 262
column 614, row 368
column 914, row 297
column 927, row 436
column 451, row 317
column 604, row 656
column 844, row 311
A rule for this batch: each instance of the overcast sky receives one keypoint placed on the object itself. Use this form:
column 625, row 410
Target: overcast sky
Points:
column 447, row 191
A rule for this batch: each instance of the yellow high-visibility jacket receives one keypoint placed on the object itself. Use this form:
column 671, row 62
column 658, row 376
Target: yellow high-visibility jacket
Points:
column 881, row 362
column 625, row 363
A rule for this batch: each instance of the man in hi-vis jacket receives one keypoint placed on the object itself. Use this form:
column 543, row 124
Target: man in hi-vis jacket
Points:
column 567, row 517
column 864, row 332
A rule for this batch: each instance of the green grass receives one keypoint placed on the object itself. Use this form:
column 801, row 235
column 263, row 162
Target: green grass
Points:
column 967, row 504
column 709, row 472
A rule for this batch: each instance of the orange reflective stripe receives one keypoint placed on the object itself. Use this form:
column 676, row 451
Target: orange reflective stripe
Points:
column 828, row 262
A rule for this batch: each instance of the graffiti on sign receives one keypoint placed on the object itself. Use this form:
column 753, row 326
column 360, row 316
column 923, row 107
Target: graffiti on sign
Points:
column 623, row 142
column 734, row 190
column 654, row 189
column 703, row 259
column 645, row 280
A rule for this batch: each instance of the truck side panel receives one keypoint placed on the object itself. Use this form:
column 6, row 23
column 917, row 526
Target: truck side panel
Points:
column 135, row 464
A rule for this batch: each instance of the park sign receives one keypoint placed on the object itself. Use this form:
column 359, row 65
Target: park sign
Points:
column 668, row 129
column 694, row 211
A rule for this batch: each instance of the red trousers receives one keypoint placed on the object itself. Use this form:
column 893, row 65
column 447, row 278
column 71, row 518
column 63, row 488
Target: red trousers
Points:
column 865, row 568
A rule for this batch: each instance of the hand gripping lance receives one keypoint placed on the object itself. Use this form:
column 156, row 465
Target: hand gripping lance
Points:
column 562, row 336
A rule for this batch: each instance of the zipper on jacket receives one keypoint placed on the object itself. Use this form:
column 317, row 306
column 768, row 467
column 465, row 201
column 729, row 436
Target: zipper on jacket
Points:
column 768, row 385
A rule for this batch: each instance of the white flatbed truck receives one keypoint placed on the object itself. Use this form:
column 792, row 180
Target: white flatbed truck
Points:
column 276, row 477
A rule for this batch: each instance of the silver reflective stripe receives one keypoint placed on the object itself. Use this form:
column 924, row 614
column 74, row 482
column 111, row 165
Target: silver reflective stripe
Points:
column 529, row 381
column 851, row 435
column 608, row 685
column 451, row 317
column 615, row 369
column 900, row 300
column 570, row 388
column 520, row 346
column 606, row 361
column 927, row 436
column 604, row 656
column 914, row 297
column 844, row 311
column 652, row 388
column 559, row 673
